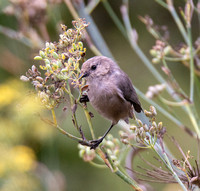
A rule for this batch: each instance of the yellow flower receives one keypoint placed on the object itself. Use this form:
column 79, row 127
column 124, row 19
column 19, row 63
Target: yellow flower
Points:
column 23, row 158
column 16, row 159
column 8, row 93
column 28, row 105
column 63, row 56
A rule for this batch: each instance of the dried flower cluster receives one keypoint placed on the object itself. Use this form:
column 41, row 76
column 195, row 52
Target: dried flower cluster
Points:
column 155, row 90
column 145, row 135
column 159, row 32
column 61, row 66
column 113, row 148
column 86, row 153
column 159, row 51
column 163, row 51
column 111, row 145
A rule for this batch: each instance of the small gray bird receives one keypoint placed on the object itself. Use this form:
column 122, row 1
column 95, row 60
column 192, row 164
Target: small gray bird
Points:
column 110, row 91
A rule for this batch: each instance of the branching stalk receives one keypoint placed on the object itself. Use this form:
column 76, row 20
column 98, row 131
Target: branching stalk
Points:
column 119, row 173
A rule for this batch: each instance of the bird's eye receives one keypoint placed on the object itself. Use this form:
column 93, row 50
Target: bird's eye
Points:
column 93, row 67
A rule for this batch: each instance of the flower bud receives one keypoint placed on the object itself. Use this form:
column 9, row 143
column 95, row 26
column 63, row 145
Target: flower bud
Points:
column 38, row 58
column 39, row 78
column 133, row 128
column 51, row 45
column 47, row 44
column 55, row 55
column 125, row 141
column 110, row 144
column 153, row 52
column 47, row 62
column 139, row 122
column 160, row 125
column 42, row 54
column 153, row 110
column 167, row 50
column 24, row 78
column 154, row 124
column 156, row 60
column 81, row 153
column 34, row 69
column 123, row 135
column 113, row 157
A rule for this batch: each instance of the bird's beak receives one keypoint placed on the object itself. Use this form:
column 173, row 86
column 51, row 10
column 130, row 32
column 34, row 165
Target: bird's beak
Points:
column 83, row 75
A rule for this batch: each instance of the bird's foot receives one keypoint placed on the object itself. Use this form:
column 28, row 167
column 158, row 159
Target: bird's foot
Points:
column 84, row 99
column 95, row 143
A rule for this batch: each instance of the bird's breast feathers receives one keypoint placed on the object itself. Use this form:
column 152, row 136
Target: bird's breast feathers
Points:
column 109, row 101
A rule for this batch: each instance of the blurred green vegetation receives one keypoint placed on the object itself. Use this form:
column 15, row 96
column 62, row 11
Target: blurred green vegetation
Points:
column 34, row 156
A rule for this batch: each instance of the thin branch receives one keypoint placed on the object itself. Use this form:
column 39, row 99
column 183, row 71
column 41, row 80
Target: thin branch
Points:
column 16, row 36
column 91, row 6
column 115, row 18
column 93, row 30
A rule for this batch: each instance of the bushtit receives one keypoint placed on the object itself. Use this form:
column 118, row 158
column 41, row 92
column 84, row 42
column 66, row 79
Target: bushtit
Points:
column 110, row 91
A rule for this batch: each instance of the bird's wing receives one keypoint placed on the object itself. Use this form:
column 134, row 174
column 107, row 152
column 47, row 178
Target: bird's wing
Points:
column 123, row 82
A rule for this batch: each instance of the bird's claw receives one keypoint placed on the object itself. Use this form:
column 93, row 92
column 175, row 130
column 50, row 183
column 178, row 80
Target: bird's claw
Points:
column 84, row 99
column 95, row 143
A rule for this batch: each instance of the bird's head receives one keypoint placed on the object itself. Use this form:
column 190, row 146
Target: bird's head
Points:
column 97, row 67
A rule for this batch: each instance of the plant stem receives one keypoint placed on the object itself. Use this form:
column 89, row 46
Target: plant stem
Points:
column 93, row 30
column 175, row 59
column 170, row 7
column 91, row 6
column 97, row 165
column 176, row 18
column 72, row 103
column 163, row 4
column 163, row 156
column 54, row 117
column 69, row 93
column 193, row 120
column 62, row 130
column 16, row 36
column 135, row 46
column 114, row 18
column 171, row 103
column 71, row 9
column 76, row 16
column 174, row 173
column 191, row 65
column 89, row 123
column 68, row 134
column 119, row 173
column 173, row 80
column 91, row 45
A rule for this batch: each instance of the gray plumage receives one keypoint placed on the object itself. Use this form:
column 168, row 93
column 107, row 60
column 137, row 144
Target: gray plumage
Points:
column 110, row 90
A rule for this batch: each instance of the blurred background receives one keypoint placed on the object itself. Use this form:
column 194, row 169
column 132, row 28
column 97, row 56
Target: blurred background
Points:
column 34, row 155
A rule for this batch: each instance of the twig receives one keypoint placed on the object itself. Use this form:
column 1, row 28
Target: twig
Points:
column 91, row 6
column 176, row 18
